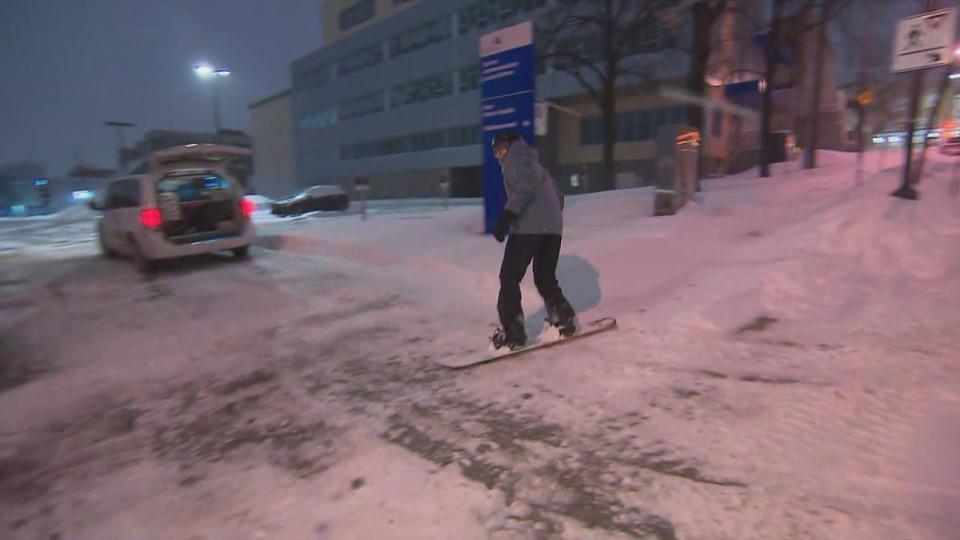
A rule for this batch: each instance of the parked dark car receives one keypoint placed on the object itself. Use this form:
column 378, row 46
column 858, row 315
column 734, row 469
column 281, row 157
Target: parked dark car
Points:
column 313, row 199
column 951, row 146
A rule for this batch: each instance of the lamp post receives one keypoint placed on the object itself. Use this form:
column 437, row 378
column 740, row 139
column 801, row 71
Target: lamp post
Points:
column 206, row 71
column 121, row 144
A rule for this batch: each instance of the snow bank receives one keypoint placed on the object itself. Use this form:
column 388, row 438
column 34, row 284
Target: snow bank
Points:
column 260, row 201
column 74, row 213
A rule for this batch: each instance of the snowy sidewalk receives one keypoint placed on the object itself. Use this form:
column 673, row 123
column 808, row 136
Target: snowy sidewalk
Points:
column 786, row 367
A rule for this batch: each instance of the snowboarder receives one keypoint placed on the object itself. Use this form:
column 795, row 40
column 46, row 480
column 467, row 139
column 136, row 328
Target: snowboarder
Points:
column 533, row 218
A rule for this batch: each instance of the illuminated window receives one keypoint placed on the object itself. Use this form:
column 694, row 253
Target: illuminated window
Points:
column 318, row 118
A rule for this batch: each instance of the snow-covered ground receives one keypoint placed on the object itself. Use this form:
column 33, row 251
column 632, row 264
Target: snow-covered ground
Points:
column 786, row 367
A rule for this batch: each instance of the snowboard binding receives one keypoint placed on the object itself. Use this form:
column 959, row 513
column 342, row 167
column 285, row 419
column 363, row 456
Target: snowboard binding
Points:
column 514, row 339
column 562, row 317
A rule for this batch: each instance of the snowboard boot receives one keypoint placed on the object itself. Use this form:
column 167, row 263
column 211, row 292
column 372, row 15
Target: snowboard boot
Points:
column 562, row 316
column 513, row 338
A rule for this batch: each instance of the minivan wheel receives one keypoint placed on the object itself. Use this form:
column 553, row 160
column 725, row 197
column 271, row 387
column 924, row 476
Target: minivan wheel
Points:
column 241, row 252
column 107, row 252
column 140, row 261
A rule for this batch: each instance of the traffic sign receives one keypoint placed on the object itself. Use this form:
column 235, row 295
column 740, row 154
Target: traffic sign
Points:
column 506, row 102
column 924, row 41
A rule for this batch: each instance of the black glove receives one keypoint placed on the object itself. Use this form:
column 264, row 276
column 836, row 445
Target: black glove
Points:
column 502, row 226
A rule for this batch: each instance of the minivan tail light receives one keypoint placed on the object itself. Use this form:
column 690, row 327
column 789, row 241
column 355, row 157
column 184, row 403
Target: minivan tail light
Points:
column 248, row 207
column 151, row 218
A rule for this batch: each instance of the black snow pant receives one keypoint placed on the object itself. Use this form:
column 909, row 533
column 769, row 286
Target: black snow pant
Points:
column 544, row 251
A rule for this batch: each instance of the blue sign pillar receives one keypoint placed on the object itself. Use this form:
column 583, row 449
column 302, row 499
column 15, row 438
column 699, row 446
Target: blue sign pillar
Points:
column 507, row 75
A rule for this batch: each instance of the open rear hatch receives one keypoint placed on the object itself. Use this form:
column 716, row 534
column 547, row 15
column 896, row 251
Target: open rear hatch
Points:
column 197, row 207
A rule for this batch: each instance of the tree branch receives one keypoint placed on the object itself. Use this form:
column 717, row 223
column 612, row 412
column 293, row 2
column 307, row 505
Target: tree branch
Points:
column 584, row 82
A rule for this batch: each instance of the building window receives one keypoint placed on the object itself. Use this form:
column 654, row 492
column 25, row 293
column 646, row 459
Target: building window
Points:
column 483, row 13
column 418, row 142
column 579, row 50
column 312, row 77
column 627, row 126
column 361, row 106
column 591, row 130
column 318, row 118
column 646, row 39
column 632, row 126
column 470, row 77
column 358, row 13
column 717, row 128
column 360, row 59
column 678, row 115
column 644, row 127
column 425, row 89
column 422, row 35
column 660, row 119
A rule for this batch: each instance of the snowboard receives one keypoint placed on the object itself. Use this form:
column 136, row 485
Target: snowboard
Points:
column 483, row 357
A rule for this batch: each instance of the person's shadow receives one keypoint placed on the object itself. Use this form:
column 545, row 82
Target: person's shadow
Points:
column 580, row 282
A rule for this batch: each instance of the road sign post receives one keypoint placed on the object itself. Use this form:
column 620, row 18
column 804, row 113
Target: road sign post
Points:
column 924, row 41
column 921, row 42
column 361, row 186
column 445, row 189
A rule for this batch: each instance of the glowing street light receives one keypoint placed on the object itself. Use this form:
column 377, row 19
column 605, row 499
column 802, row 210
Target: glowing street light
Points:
column 206, row 71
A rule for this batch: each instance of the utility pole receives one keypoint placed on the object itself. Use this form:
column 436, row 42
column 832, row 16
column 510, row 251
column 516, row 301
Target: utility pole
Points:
column 906, row 191
column 216, row 109
column 206, row 71
column 861, row 102
column 810, row 155
column 121, row 144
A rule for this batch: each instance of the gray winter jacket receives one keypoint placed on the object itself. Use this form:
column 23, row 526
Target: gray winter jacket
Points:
column 531, row 192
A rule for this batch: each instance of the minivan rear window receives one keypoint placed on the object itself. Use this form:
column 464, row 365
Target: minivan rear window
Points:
column 195, row 187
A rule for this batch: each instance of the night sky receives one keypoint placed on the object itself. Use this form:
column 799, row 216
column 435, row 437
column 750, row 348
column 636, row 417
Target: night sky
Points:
column 68, row 65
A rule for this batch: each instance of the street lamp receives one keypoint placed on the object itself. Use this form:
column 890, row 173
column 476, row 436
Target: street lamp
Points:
column 121, row 144
column 206, row 71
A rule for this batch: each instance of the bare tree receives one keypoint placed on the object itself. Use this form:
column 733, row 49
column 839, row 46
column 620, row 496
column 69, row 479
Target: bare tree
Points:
column 790, row 22
column 810, row 155
column 863, row 46
column 829, row 9
column 772, row 58
column 705, row 14
column 592, row 40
